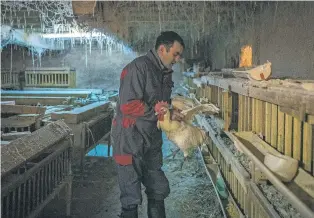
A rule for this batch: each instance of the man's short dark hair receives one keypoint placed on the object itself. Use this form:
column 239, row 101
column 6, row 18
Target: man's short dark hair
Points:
column 167, row 38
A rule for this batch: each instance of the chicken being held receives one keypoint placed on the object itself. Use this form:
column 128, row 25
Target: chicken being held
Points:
column 183, row 134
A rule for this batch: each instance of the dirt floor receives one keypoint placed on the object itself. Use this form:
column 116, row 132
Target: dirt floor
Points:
column 96, row 192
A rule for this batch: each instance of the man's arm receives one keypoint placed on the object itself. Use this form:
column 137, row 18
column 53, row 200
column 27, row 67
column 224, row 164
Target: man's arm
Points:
column 132, row 85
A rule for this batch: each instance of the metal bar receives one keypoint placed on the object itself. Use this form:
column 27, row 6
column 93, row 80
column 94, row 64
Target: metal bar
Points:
column 24, row 199
column 7, row 187
column 29, row 196
column 57, row 190
column 42, row 177
column 19, row 202
column 34, row 192
column 8, row 205
column 49, row 178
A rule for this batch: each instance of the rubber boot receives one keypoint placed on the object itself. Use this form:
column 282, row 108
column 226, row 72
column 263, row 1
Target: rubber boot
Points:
column 129, row 213
column 156, row 209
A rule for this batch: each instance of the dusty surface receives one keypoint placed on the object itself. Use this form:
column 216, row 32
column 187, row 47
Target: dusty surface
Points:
column 96, row 193
column 283, row 207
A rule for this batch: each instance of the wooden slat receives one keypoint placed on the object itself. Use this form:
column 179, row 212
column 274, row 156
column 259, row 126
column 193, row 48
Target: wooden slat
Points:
column 259, row 117
column 288, row 135
column 228, row 110
column 310, row 119
column 268, row 122
column 274, row 125
column 308, row 147
column 281, row 131
column 253, row 114
column 249, row 113
column 297, row 125
column 209, row 93
column 240, row 113
column 245, row 114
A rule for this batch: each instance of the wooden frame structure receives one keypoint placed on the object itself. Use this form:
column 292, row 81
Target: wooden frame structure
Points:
column 281, row 115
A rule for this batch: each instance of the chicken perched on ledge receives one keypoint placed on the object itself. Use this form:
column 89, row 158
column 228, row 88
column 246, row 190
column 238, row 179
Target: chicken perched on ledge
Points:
column 183, row 134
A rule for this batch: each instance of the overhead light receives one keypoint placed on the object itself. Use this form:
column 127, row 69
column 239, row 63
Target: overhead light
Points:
column 73, row 35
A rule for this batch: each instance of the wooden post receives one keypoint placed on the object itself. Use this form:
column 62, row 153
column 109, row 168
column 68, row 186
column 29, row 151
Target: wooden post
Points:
column 308, row 147
column 297, row 125
column 208, row 93
column 259, row 117
column 253, row 114
column 274, row 125
column 281, row 132
column 219, row 97
column 249, row 113
column 288, row 135
column 227, row 110
column 240, row 113
column 268, row 123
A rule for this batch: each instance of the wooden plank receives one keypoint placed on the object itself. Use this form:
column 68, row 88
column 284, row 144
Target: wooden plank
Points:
column 288, row 135
column 22, row 109
column 268, row 122
column 249, row 112
column 263, row 118
column 297, row 125
column 300, row 114
column 219, row 97
column 310, row 119
column 81, row 114
column 228, row 110
column 240, row 113
column 281, row 132
column 274, row 125
column 209, row 93
column 259, row 117
column 245, row 115
column 308, row 147
column 279, row 95
column 253, row 114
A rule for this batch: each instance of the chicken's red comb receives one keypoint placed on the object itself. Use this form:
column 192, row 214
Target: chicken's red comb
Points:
column 161, row 104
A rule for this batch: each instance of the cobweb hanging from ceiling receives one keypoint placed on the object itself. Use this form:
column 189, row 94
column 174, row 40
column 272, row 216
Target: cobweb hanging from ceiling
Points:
column 50, row 13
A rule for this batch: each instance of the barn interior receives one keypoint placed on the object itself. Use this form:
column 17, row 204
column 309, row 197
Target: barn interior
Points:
column 61, row 62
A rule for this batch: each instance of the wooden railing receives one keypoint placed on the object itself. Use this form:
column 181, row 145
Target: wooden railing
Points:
column 50, row 77
column 283, row 118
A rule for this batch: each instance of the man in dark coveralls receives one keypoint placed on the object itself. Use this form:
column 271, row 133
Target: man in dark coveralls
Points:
column 136, row 139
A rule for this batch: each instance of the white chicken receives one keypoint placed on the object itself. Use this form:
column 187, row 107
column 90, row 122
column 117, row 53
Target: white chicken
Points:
column 183, row 134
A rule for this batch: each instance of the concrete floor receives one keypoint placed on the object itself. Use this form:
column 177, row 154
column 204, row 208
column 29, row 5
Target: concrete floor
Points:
column 96, row 192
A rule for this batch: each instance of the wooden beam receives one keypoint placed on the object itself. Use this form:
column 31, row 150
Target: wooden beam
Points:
column 283, row 96
column 299, row 114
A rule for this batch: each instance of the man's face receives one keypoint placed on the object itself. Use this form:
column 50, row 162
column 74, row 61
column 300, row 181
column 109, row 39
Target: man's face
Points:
column 169, row 58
